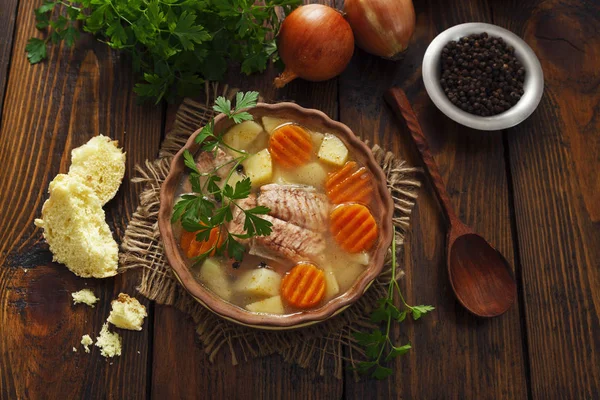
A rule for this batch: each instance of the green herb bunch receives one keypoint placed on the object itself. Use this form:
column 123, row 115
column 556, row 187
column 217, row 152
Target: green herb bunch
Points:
column 175, row 45
column 210, row 206
column 378, row 345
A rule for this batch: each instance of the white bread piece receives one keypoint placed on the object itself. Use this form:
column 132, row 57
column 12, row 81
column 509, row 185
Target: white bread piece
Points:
column 109, row 342
column 86, row 341
column 100, row 164
column 127, row 313
column 85, row 296
column 76, row 231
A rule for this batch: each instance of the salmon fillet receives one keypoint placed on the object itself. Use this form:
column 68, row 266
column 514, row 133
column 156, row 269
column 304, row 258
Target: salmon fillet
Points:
column 236, row 226
column 300, row 205
column 208, row 161
column 287, row 241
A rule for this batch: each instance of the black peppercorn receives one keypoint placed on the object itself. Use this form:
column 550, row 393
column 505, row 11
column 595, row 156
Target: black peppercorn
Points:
column 481, row 75
column 236, row 265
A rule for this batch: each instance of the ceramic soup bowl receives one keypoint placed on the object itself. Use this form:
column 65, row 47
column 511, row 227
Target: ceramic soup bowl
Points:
column 382, row 208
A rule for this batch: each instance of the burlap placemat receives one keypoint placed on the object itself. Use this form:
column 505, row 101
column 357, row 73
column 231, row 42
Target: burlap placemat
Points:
column 315, row 345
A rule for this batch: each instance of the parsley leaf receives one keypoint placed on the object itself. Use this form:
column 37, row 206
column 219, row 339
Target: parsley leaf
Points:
column 214, row 199
column 245, row 100
column 189, row 32
column 235, row 249
column 223, row 105
column 377, row 341
column 241, row 191
column 397, row 351
column 418, row 311
column 175, row 45
column 189, row 161
column 205, row 133
column 381, row 372
column 36, row 50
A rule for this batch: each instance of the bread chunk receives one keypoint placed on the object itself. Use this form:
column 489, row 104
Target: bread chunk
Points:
column 85, row 296
column 100, row 164
column 127, row 313
column 76, row 231
column 109, row 342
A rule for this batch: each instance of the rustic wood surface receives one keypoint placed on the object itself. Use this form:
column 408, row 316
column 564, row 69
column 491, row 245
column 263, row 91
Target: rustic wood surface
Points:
column 532, row 190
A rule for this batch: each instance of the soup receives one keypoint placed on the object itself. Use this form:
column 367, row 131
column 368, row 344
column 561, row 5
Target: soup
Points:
column 323, row 225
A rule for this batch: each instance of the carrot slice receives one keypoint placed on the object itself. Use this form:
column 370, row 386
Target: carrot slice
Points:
column 353, row 227
column 350, row 184
column 194, row 248
column 303, row 286
column 290, row 146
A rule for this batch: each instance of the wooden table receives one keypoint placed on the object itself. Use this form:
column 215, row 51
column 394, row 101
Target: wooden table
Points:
column 533, row 190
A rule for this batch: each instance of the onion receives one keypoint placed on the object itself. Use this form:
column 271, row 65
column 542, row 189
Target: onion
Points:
column 315, row 43
column 381, row 27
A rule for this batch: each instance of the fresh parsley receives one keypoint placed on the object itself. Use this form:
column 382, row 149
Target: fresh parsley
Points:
column 378, row 346
column 175, row 45
column 210, row 206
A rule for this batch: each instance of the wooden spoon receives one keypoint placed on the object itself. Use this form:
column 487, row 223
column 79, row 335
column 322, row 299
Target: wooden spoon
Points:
column 480, row 276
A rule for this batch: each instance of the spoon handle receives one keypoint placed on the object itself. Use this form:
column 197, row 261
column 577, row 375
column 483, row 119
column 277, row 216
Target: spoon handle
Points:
column 397, row 100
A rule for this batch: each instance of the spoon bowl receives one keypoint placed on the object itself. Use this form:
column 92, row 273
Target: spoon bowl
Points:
column 480, row 276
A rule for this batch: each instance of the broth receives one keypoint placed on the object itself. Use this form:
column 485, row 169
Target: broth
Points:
column 300, row 200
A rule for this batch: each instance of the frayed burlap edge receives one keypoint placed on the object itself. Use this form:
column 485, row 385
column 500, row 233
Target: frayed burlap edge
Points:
column 322, row 345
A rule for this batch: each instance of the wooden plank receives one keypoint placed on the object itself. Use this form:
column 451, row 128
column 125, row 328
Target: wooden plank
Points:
column 8, row 14
column 51, row 108
column 454, row 355
column 554, row 159
column 184, row 370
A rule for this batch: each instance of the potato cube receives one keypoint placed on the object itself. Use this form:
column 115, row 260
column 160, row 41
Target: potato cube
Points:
column 361, row 258
column 317, row 139
column 259, row 282
column 272, row 305
column 333, row 151
column 312, row 174
column 213, row 276
column 331, row 285
column 235, row 178
column 259, row 168
column 347, row 276
column 271, row 123
column 242, row 136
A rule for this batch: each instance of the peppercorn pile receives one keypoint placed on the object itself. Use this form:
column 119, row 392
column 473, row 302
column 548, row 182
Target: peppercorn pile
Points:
column 481, row 75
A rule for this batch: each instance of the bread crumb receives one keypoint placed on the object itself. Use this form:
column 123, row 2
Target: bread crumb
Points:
column 127, row 313
column 85, row 296
column 74, row 350
column 108, row 342
column 86, row 340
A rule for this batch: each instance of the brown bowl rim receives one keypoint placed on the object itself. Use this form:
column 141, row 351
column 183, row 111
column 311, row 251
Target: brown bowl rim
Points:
column 269, row 321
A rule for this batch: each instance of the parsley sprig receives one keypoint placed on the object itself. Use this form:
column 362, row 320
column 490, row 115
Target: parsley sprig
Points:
column 210, row 205
column 378, row 342
column 175, row 45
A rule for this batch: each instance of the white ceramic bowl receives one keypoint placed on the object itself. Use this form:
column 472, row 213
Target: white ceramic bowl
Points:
column 533, row 86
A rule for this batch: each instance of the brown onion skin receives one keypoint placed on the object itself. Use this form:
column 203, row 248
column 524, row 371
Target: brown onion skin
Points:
column 381, row 27
column 315, row 43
